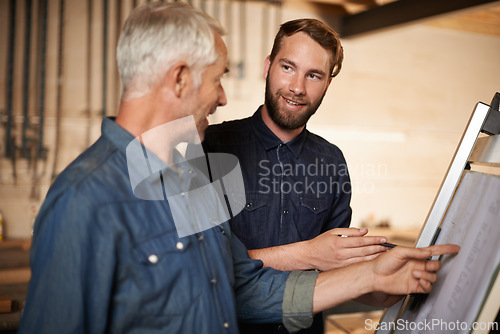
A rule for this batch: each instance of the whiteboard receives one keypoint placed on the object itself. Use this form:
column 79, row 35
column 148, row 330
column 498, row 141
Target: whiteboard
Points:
column 473, row 222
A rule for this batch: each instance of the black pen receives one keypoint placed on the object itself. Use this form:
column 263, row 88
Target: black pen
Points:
column 386, row 244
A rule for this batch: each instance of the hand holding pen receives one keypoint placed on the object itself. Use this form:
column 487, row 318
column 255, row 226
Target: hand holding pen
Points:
column 327, row 251
column 385, row 244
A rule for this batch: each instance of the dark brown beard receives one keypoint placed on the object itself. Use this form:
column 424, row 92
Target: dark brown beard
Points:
column 287, row 121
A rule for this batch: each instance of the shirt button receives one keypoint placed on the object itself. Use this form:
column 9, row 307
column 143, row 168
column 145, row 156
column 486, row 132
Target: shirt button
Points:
column 153, row 258
column 200, row 238
column 183, row 193
column 285, row 212
column 249, row 205
column 315, row 208
column 191, row 171
column 213, row 281
column 179, row 245
column 226, row 325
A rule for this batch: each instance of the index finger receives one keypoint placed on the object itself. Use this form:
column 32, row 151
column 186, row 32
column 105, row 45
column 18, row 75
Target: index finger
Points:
column 425, row 252
column 354, row 242
column 444, row 249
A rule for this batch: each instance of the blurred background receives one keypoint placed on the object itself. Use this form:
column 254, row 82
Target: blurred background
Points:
column 412, row 74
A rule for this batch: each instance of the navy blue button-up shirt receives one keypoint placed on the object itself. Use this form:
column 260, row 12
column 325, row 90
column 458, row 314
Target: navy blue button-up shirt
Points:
column 104, row 260
column 294, row 190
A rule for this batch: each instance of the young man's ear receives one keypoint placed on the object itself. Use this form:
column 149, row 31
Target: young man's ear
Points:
column 329, row 82
column 267, row 66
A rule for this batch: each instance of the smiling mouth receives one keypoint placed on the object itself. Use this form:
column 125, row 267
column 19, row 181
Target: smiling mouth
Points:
column 293, row 103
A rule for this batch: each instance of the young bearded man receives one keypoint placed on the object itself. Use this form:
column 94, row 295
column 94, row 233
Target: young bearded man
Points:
column 297, row 184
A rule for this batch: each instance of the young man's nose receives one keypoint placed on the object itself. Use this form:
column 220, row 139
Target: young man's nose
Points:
column 297, row 85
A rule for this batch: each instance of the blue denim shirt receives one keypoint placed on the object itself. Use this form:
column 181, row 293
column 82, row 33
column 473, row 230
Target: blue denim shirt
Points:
column 103, row 260
column 294, row 190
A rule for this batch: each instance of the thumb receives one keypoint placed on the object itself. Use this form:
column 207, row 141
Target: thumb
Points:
column 350, row 232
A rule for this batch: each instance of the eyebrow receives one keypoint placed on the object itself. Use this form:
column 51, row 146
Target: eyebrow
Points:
column 226, row 70
column 289, row 62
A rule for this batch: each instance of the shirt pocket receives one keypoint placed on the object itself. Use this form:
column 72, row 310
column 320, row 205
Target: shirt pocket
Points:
column 250, row 223
column 156, row 249
column 164, row 274
column 313, row 213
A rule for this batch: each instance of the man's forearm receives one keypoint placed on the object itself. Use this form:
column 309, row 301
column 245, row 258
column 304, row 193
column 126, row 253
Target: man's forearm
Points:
column 341, row 285
column 286, row 257
column 379, row 299
column 325, row 252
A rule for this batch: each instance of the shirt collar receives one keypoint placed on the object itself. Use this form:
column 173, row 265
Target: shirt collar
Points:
column 121, row 138
column 116, row 134
column 269, row 140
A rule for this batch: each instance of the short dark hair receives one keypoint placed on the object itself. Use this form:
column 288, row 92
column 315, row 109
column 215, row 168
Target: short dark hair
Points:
column 318, row 31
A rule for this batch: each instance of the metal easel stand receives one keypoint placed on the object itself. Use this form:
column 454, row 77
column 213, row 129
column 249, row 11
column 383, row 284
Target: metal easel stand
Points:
column 471, row 149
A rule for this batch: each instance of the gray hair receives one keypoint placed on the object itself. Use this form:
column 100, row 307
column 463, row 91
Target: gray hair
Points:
column 157, row 35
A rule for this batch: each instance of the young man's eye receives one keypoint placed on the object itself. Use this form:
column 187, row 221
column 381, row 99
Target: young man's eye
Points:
column 286, row 68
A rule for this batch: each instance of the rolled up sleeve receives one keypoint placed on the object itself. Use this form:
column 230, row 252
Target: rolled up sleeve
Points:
column 298, row 300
